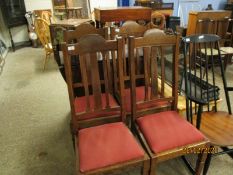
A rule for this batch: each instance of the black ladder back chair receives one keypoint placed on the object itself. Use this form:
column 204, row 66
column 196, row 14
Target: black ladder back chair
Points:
column 201, row 91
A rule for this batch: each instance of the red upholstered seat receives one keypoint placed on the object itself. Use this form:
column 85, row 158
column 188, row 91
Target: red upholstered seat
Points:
column 106, row 145
column 140, row 96
column 80, row 106
column 167, row 130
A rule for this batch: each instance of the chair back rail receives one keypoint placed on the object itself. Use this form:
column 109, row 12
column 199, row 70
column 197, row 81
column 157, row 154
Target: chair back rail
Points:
column 72, row 36
column 156, row 47
column 92, row 82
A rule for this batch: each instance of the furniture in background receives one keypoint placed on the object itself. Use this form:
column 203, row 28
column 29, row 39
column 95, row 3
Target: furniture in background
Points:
column 129, row 28
column 216, row 125
column 218, row 27
column 162, row 131
column 158, row 20
column 227, row 49
column 45, row 14
column 229, row 6
column 73, row 36
column 157, row 5
column 62, row 7
column 43, row 33
column 194, row 16
column 118, row 14
column 56, row 32
column 14, row 15
column 105, row 145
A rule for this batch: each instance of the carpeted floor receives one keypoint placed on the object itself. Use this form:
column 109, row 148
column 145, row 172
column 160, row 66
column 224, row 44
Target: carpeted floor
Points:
column 34, row 122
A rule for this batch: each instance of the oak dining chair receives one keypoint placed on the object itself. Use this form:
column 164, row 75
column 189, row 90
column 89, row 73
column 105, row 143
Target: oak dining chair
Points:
column 162, row 131
column 73, row 36
column 131, row 28
column 104, row 143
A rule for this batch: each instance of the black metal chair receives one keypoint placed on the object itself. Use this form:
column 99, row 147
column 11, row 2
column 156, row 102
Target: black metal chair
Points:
column 202, row 92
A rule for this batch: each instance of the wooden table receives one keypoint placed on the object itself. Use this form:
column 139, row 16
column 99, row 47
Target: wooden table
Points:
column 70, row 22
column 164, row 8
column 103, row 15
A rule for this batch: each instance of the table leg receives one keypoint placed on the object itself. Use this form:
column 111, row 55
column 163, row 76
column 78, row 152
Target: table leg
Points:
column 97, row 23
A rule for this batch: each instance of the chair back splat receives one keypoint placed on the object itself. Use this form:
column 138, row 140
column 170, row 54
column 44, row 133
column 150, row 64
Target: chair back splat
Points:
column 98, row 101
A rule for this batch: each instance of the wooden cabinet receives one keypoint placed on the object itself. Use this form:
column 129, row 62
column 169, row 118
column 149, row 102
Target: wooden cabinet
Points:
column 118, row 14
column 194, row 16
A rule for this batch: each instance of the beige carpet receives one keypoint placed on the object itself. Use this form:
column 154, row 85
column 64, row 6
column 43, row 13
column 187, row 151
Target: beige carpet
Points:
column 34, row 122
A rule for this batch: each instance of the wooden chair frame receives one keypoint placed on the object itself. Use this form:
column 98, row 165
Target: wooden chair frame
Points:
column 43, row 32
column 159, row 41
column 129, row 28
column 92, row 44
column 73, row 36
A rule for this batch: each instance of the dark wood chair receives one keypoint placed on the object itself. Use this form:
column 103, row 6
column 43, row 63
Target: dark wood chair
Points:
column 162, row 131
column 216, row 125
column 131, row 28
column 104, row 144
column 73, row 36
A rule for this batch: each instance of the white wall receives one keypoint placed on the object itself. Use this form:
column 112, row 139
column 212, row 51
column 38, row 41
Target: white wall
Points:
column 103, row 3
column 38, row 4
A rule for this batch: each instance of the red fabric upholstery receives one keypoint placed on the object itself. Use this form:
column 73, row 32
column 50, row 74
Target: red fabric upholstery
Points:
column 80, row 106
column 167, row 130
column 140, row 96
column 106, row 145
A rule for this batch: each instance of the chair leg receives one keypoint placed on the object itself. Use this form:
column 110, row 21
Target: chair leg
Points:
column 225, row 61
column 152, row 167
column 72, row 135
column 146, row 167
column 200, row 162
column 207, row 163
column 45, row 60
